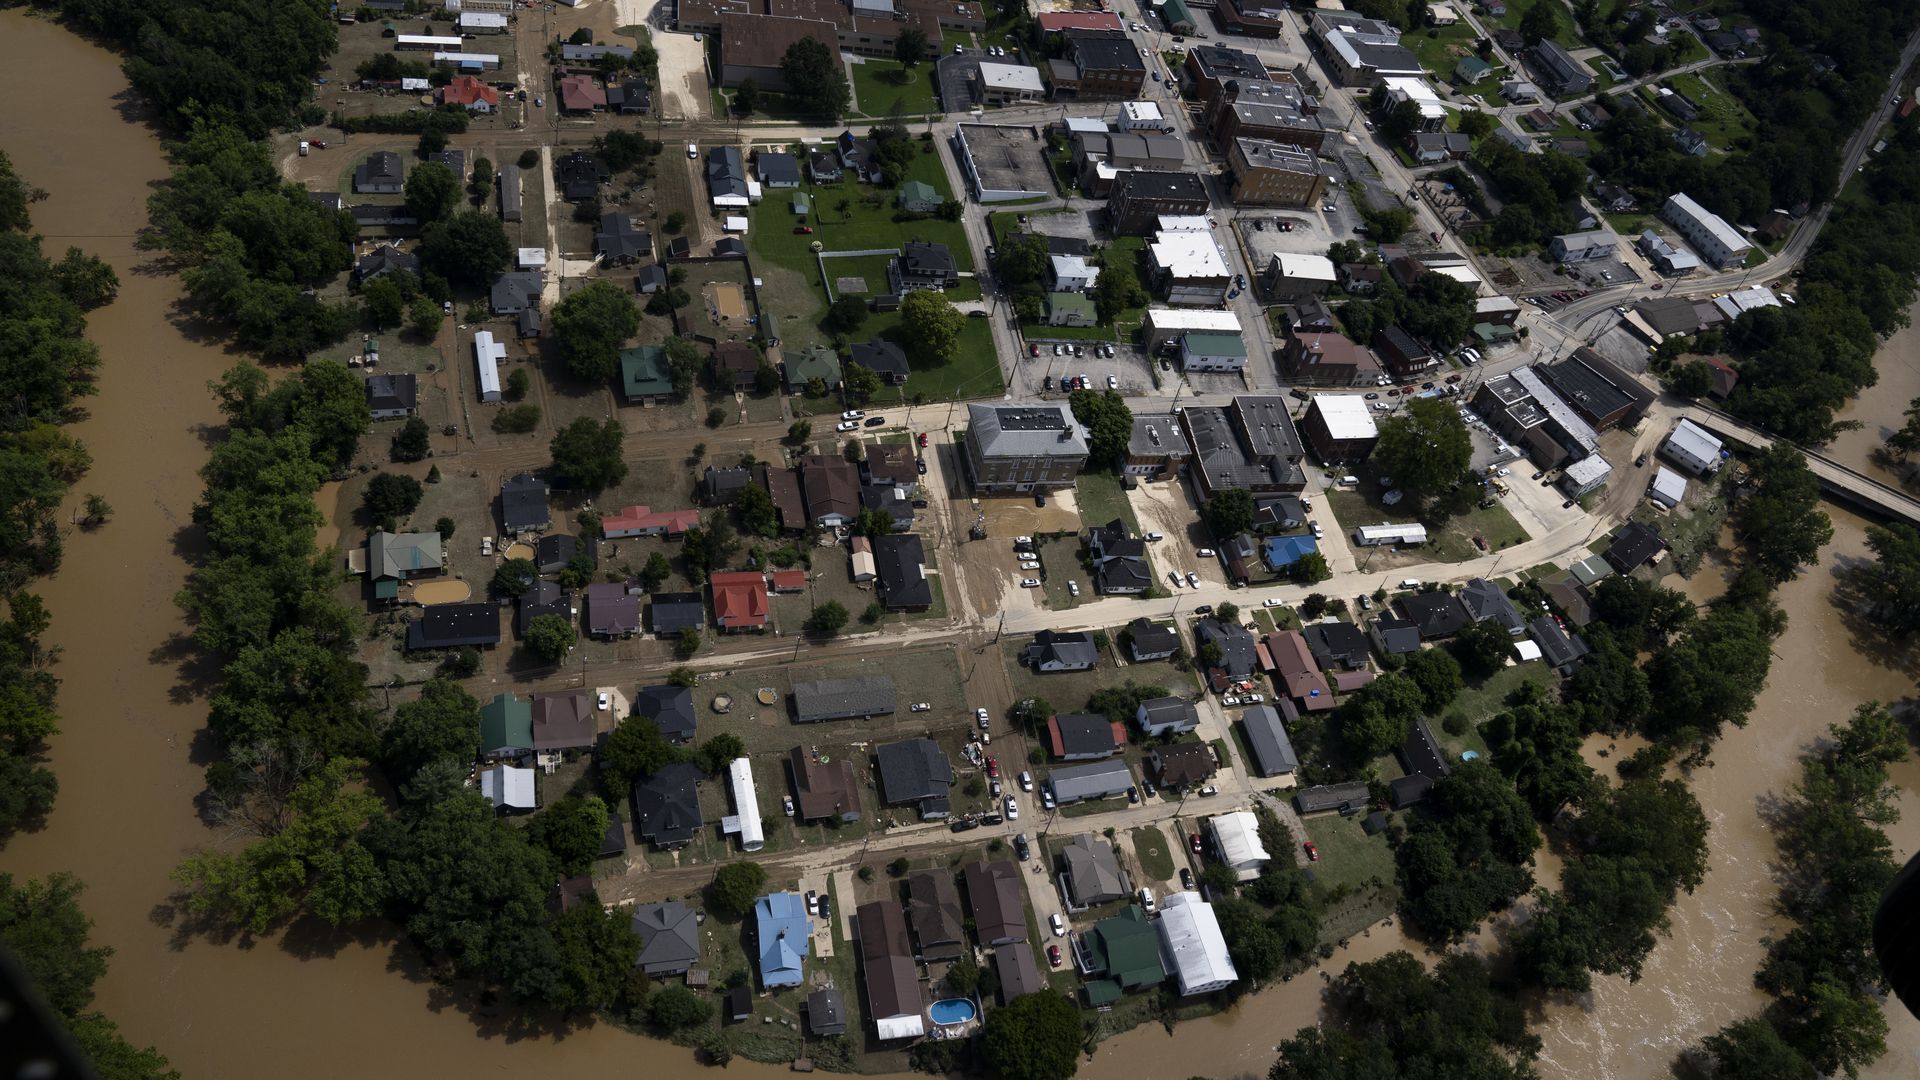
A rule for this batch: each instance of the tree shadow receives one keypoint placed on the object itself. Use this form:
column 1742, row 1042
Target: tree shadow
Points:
column 1870, row 640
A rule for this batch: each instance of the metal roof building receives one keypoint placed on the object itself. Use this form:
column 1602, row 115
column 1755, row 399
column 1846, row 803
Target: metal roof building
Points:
column 1236, row 837
column 1192, row 946
column 841, row 699
column 1099, row 780
column 1272, row 751
column 745, row 818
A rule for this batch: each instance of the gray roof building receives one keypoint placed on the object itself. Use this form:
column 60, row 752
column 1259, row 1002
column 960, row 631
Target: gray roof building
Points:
column 453, row 626
column 1014, row 965
column 913, row 771
column 933, row 911
column 545, row 598
column 1148, row 640
column 674, row 612
column 815, row 700
column 671, row 707
column 995, row 898
column 1024, row 447
column 1436, row 614
column 666, row 805
column 514, row 292
column 1562, row 652
column 826, row 1012
column 1084, row 736
column 1167, row 716
column 900, row 563
column 383, row 173
column 1092, row 872
column 669, row 938
column 1323, row 797
column 1484, row 600
column 1250, row 444
column 1238, row 657
column 1396, row 636
column 1272, row 751
column 1336, row 643
column 1098, row 780
column 1062, row 651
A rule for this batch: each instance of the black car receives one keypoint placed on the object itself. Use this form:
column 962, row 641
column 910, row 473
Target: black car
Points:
column 1203, row 609
column 921, row 466
column 1021, row 848
column 919, row 504
column 1186, row 878
column 876, row 421
column 1039, row 499
column 1540, row 474
column 1147, row 786
column 990, row 819
column 826, row 906
column 1133, row 794
column 962, row 824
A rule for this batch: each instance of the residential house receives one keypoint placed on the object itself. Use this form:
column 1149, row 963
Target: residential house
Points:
column 1091, row 873
column 673, row 612
column 782, row 937
column 1238, row 656
column 1071, row 273
column 383, row 260
column 1436, row 614
column 666, row 805
column 612, row 612
column 868, row 696
column 823, row 789
column 671, row 709
column 1485, row 600
column 735, row 364
column 1634, row 545
column 508, row 180
column 1236, row 842
column 1166, row 716
column 1267, row 738
column 523, row 504
column 509, row 789
column 563, row 721
column 1071, row 309
column 719, row 486
column 581, row 94
column 1428, row 147
column 900, row 565
column 1182, row 765
column 554, row 552
column 1192, row 946
column 1119, row 561
column 915, row 773
column 506, row 728
column 739, row 600
column 580, row 175
column 1294, row 671
column 1097, row 780
column 1053, row 651
column 1147, row 640
column 923, row 266
column 1084, row 737
column 1561, row 651
column 1022, row 448
column 997, row 902
column 825, row 168
column 1691, row 142
column 1553, row 66
column 645, row 377
column 1327, row 359
column 812, row 362
column 383, row 173
column 1425, row 765
column 455, row 626
column 727, row 182
column 618, row 243
column 933, row 913
column 396, row 557
column 777, row 169
column 831, row 485
column 885, row 359
column 633, row 97
column 1120, row 954
column 826, row 1013
column 917, row 197
column 1395, row 636
column 545, row 598
column 669, row 934
column 896, row 1002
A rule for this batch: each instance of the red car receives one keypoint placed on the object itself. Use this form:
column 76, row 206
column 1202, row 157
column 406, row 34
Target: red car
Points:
column 1313, row 853
column 993, row 768
column 1195, row 841
column 923, row 440
column 1053, row 955
column 803, row 230
column 1033, row 350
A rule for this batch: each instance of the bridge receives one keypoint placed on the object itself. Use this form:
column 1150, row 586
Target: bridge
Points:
column 1854, row 488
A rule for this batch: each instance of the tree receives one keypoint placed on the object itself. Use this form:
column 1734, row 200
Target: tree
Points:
column 1890, row 585
column 845, row 315
column 96, row 510
column 85, row 279
column 1229, row 513
column 1109, row 423
column 550, row 637
column 815, row 80
column 911, row 46
column 390, row 495
column 686, row 643
column 480, row 184
column 1425, row 449
column 386, row 304
column 655, row 573
column 1692, row 380
column 1400, row 121
column 469, row 248
column 709, row 546
column 1752, row 1049
column 746, row 96
column 518, row 383
column 514, row 576
column 587, row 454
column 1117, row 290
column 735, row 887
column 572, row 830
column 412, row 441
column 674, row 1007
column 932, row 325
column 517, row 419
column 1475, row 124
column 1781, row 521
column 423, row 317
column 718, row 751
column 635, row 749
column 1537, row 745
column 1469, row 855
column 1022, row 260
column 1033, row 1037
column 1310, row 569
column 684, row 361
column 1540, row 22
column 799, row 432
column 590, row 325
column 432, row 191
column 827, row 620
column 1437, row 674
column 1377, row 717
column 859, row 383
column 1482, row 648
column 443, row 723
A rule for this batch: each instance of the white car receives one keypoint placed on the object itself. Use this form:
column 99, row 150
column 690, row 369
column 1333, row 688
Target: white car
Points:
column 1013, row 809
column 1026, row 780
column 1174, row 576
column 693, row 150
column 1318, row 532
column 1381, row 406
column 1030, row 583
column 1193, row 578
column 1273, row 601
column 1059, row 924
column 1254, row 698
column 486, row 545
column 1113, row 383
column 1046, row 798
column 1023, row 539
column 1156, row 536
column 981, row 715
column 1056, row 350
column 603, row 702
column 1205, row 553
column 1073, row 588
column 1029, row 564
column 921, row 706
column 847, row 425
column 1229, row 700
column 786, row 802
column 852, row 414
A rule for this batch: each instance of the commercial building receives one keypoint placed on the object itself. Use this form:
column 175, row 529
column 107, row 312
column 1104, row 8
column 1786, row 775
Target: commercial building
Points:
column 1192, row 946
column 1213, row 352
column 1166, row 325
column 1099, row 157
column 1666, row 258
column 1718, row 243
column 1328, row 359
column 1003, row 163
column 1339, row 427
column 1556, row 69
column 1140, row 197
column 1289, row 275
column 1402, row 90
column 1157, row 446
column 1265, row 173
column 1188, row 267
column 1236, row 840
column 1362, row 52
column 1097, row 65
column 1603, row 394
column 1209, row 67
column 1002, row 84
column 1021, row 448
column 1263, row 109
column 1582, row 246
column 1250, row 444
column 1524, row 408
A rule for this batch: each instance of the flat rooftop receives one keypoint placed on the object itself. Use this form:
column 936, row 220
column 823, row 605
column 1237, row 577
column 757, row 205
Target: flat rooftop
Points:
column 1007, row 158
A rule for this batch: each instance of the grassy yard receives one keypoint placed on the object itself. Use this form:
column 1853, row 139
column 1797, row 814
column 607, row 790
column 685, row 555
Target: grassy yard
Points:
column 1060, row 559
column 1101, row 499
column 1155, row 853
column 1441, row 47
column 1449, row 541
column 1723, row 119
column 1564, row 31
column 877, row 93
column 1482, row 701
column 1348, row 856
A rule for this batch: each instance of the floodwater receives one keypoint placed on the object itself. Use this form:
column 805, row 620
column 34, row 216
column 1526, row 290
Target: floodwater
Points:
column 307, row 1006
column 1881, row 410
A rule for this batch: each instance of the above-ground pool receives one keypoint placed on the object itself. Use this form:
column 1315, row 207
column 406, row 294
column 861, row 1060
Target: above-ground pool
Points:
column 952, row 1011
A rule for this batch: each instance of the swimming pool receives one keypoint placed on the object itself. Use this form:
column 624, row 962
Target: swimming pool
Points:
column 952, row 1011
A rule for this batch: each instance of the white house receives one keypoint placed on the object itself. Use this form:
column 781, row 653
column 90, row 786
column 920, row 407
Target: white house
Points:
column 531, row 258
column 1717, row 242
column 1236, row 837
column 508, row 787
column 488, row 355
column 1142, row 115
column 1072, row 274
column 745, row 819
column 1192, row 946
column 1375, row 535
column 1692, row 448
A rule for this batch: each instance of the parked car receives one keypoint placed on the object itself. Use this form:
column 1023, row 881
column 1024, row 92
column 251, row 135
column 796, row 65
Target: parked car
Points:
column 1272, row 601
column 920, row 706
column 1193, row 578
column 852, row 414
column 803, row 230
column 920, row 466
column 603, row 701
column 1113, row 383
column 1073, row 588
column 1174, row 577
column 1013, row 809
column 786, row 802
column 876, row 421
column 1186, row 878
column 1022, row 540
column 962, row 824
column 1193, row 841
column 1204, row 553
column 847, row 425
column 993, row 767
column 1053, row 954
column 1203, row 609
column 1209, row 791
column 1059, row 924
column 1146, row 900
column 1026, row 780
column 981, row 716
column 922, row 440
column 1313, row 853
column 1021, row 848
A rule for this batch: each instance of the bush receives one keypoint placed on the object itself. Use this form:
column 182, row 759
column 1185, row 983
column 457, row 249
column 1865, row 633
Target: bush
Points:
column 517, row 419
column 716, row 416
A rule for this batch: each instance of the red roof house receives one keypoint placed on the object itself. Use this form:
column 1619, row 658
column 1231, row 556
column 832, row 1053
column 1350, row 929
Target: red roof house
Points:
column 1056, row 21
column 641, row 521
column 739, row 599
column 579, row 93
column 471, row 92
column 789, row 580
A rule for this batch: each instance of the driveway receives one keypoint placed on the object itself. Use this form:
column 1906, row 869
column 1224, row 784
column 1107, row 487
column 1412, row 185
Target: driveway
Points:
column 683, row 76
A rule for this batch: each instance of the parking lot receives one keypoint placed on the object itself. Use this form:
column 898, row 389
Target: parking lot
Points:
column 1127, row 366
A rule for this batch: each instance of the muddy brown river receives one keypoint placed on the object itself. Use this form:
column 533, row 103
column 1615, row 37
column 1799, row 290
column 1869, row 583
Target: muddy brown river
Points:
column 323, row 1010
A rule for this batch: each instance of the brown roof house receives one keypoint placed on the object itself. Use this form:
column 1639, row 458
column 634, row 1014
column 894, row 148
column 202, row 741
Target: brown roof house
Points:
column 994, row 899
column 824, row 788
column 1182, row 763
column 933, row 910
column 896, row 1002
column 563, row 721
column 735, row 363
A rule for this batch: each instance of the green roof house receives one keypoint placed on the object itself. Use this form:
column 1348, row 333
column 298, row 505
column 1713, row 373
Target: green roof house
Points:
column 812, row 362
column 1471, row 69
column 396, row 557
column 1070, row 309
column 644, row 377
column 1124, row 950
column 506, row 728
column 918, row 198
column 802, row 204
column 1178, row 19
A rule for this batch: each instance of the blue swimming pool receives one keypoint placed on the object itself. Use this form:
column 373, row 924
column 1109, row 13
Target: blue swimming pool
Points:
column 952, row 1011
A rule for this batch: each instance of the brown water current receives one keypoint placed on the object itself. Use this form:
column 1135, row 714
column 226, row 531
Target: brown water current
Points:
column 299, row 1008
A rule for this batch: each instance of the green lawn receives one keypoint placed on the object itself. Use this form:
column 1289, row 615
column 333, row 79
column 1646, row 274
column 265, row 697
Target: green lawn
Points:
column 1723, row 119
column 1449, row 541
column 1348, row 856
column 1482, row 701
column 1040, row 331
column 1151, row 847
column 1441, row 47
column 877, row 95
column 1564, row 30
column 1102, row 499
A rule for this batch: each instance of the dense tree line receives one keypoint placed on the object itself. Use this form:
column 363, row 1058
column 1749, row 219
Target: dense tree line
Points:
column 1534, row 189
column 1437, row 310
column 1469, row 853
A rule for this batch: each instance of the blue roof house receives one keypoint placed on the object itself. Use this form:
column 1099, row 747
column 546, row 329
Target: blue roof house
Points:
column 1281, row 552
column 781, row 931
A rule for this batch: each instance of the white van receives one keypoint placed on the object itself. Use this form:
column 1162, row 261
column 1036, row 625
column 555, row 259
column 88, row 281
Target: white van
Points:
column 1411, row 583
column 693, row 150
column 1146, row 900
